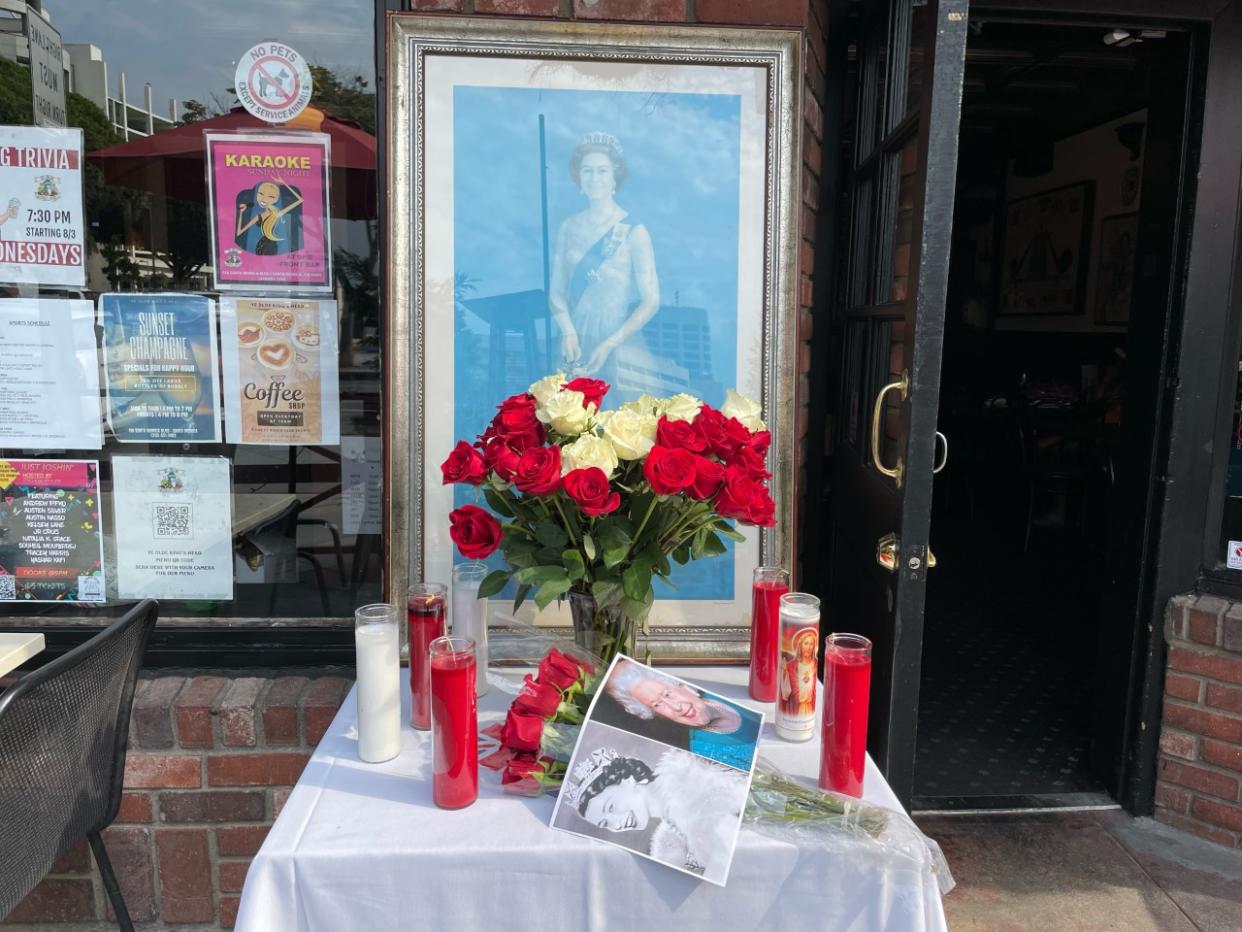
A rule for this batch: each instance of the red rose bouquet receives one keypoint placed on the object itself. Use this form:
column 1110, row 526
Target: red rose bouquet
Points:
column 597, row 504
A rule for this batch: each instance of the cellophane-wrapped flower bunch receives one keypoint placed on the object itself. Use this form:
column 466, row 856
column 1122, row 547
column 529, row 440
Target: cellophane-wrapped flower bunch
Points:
column 603, row 502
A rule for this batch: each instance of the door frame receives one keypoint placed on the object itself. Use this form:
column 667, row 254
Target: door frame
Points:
column 1200, row 376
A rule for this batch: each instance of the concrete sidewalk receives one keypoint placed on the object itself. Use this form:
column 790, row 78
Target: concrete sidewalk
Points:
column 1084, row 871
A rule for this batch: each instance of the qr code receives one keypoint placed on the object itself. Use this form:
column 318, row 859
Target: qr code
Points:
column 8, row 588
column 173, row 521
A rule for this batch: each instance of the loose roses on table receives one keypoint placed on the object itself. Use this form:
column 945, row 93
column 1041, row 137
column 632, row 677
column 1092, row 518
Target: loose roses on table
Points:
column 603, row 502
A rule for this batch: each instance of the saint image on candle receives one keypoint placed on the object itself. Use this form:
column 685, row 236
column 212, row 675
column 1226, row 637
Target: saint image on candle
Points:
column 798, row 676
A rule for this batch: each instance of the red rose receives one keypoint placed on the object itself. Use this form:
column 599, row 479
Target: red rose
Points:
column 669, row 470
column 593, row 390
column 760, row 441
column 559, row 670
column 516, row 423
column 464, row 464
column 501, row 458
column 711, row 426
column 522, row 731
column 708, row 474
column 752, row 461
column 679, row 435
column 475, row 532
column 745, row 499
column 590, row 489
column 542, row 699
column 539, row 471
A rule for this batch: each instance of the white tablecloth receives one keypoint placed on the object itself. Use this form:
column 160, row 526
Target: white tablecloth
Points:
column 362, row 846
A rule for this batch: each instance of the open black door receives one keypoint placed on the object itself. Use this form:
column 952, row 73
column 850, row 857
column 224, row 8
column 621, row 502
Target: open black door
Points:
column 888, row 321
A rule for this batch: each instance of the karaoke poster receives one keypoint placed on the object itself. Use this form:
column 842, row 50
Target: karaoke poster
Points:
column 269, row 211
column 160, row 363
column 41, row 218
column 281, row 384
column 51, row 549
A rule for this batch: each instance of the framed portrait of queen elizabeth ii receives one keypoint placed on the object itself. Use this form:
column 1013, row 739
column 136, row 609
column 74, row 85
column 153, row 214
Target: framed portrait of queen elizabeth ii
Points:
column 600, row 200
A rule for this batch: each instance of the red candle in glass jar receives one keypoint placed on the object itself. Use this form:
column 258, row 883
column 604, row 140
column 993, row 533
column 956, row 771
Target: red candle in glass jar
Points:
column 770, row 583
column 847, row 689
column 455, row 723
column 426, row 612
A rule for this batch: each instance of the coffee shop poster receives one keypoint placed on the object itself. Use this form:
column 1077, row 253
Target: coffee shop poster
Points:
column 280, row 370
column 51, row 548
column 160, row 364
column 41, row 219
column 269, row 225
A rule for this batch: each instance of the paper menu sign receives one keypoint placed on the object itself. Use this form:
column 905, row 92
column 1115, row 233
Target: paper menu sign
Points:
column 49, row 393
column 281, row 383
column 174, row 528
column 672, row 787
column 42, row 237
column 361, row 478
column 51, row 548
column 270, row 226
column 160, row 354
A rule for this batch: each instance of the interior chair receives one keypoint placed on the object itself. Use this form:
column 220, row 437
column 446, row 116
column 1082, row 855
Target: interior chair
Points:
column 63, row 735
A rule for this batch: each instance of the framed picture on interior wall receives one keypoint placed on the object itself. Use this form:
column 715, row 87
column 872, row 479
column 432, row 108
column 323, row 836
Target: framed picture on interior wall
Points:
column 610, row 201
column 1114, row 282
column 1044, row 258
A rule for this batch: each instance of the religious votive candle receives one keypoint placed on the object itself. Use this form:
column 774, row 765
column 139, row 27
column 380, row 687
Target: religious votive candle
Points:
column 847, row 693
column 469, row 615
column 770, row 583
column 797, row 675
column 426, row 612
column 455, row 723
column 377, row 644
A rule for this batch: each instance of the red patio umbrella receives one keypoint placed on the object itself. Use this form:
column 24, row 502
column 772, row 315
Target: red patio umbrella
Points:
column 171, row 163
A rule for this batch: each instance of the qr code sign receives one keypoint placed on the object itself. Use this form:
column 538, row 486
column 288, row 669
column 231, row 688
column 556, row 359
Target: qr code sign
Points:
column 173, row 521
column 8, row 588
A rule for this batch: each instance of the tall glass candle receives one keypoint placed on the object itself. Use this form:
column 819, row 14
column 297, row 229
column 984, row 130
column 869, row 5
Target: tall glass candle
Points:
column 426, row 612
column 469, row 615
column 797, row 676
column 455, row 723
column 377, row 643
column 847, row 688
column 770, row 583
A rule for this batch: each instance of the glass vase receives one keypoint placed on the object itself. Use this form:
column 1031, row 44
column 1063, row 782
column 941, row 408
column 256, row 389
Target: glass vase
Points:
column 605, row 630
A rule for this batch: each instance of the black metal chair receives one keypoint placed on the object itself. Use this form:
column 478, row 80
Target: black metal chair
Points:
column 63, row 735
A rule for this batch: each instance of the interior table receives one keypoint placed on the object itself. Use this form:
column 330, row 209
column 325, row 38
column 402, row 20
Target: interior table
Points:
column 362, row 846
column 16, row 648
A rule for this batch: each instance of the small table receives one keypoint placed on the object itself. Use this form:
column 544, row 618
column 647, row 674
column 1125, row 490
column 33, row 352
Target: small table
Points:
column 16, row 648
column 362, row 846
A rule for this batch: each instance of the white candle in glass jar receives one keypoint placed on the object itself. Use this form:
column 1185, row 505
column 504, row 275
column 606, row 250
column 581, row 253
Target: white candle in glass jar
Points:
column 469, row 614
column 377, row 647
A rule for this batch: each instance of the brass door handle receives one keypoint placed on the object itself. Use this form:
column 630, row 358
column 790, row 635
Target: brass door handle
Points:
column 902, row 385
column 886, row 553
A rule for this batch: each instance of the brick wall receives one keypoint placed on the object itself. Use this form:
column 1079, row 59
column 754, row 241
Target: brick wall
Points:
column 1199, row 777
column 211, row 761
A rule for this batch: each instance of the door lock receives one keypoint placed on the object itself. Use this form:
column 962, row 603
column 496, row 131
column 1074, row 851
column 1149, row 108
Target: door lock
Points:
column 886, row 554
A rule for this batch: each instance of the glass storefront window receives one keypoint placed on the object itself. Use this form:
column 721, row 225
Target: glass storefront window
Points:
column 285, row 525
column 1231, row 526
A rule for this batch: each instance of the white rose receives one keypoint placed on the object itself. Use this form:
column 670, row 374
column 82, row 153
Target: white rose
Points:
column 587, row 451
column 546, row 387
column 563, row 412
column 745, row 409
column 646, row 404
column 681, row 407
column 631, row 433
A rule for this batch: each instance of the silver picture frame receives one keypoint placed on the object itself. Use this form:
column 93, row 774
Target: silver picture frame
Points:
column 772, row 56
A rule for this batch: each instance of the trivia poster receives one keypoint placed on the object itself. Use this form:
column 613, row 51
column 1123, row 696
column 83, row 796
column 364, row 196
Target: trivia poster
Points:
column 41, row 219
column 160, row 364
column 280, row 370
column 269, row 211
column 51, row 548
column 174, row 527
column 49, row 375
